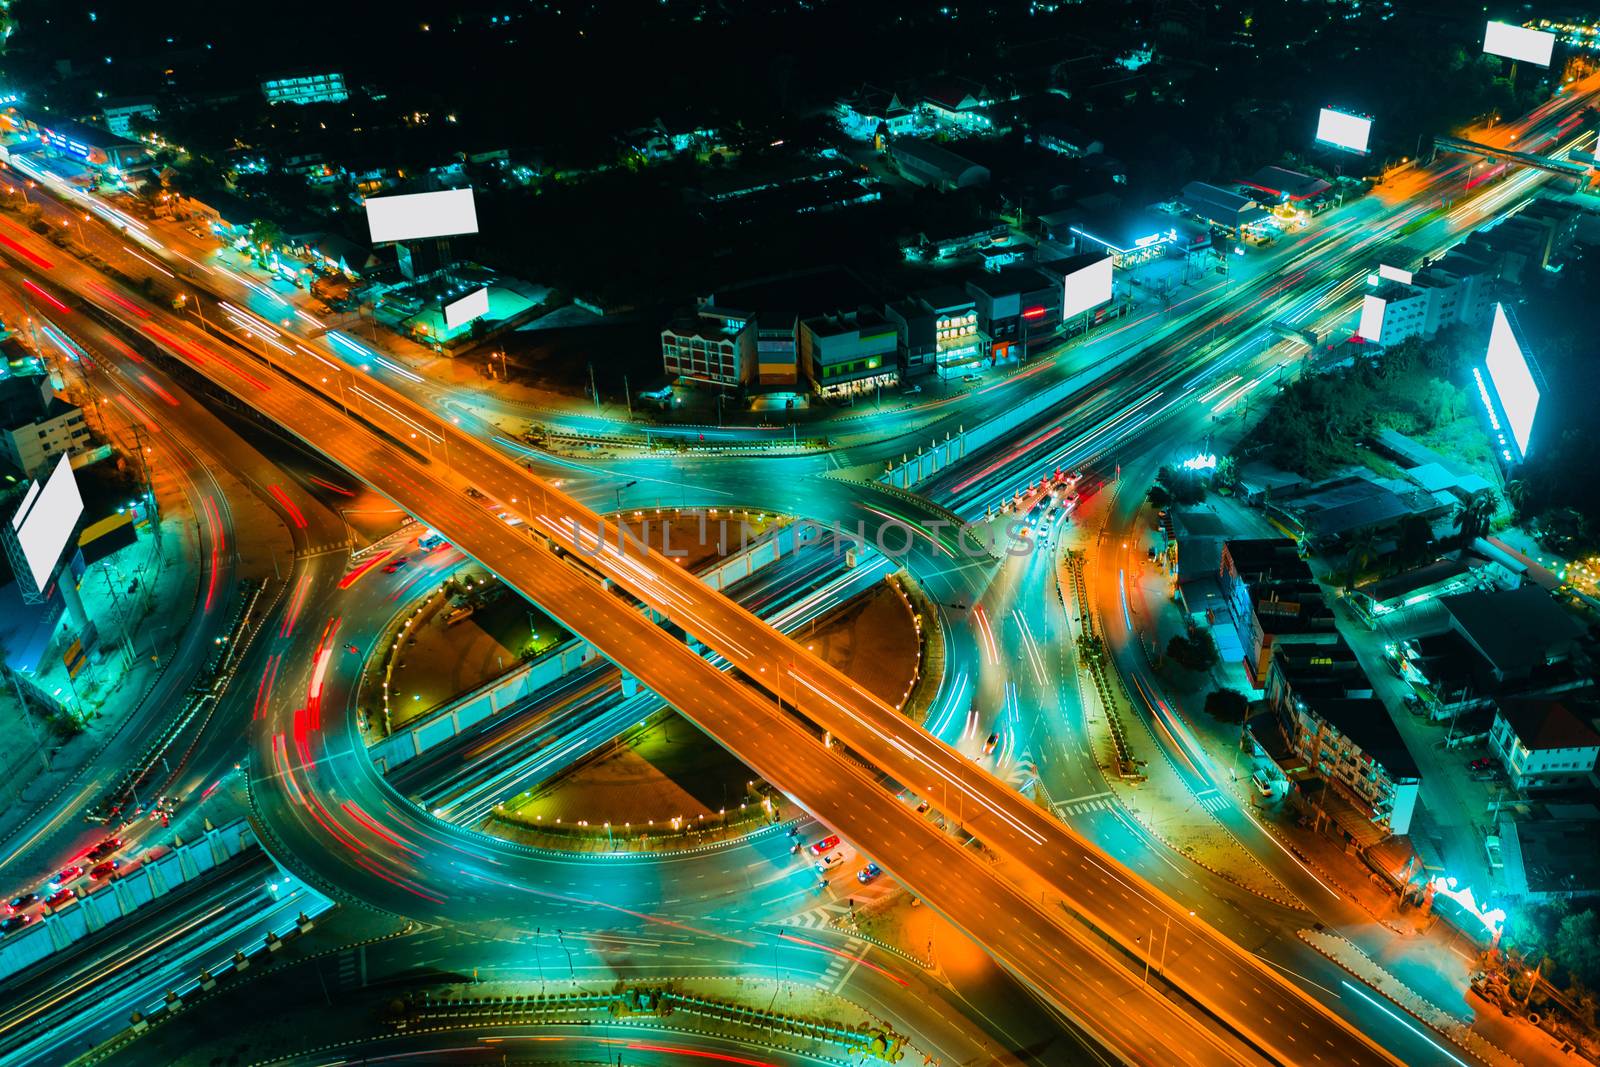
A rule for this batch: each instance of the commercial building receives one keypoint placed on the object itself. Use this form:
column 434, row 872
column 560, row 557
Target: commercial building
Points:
column 322, row 87
column 1349, row 761
column 1455, row 290
column 1330, row 512
column 1131, row 235
column 118, row 115
column 1272, row 598
column 710, row 348
column 36, row 425
column 1518, row 632
column 1226, row 210
column 917, row 336
column 1542, row 744
column 849, row 352
column 1547, row 854
column 98, row 149
column 1018, row 309
column 937, row 168
column 1286, row 186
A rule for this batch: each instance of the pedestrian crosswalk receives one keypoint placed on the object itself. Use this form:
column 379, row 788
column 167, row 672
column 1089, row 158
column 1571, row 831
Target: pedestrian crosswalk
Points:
column 1084, row 805
column 834, row 975
column 1212, row 800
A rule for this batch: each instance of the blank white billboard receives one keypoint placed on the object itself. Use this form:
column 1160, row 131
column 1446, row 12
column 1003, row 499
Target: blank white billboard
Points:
column 1086, row 288
column 44, row 528
column 1371, row 328
column 1394, row 274
column 1515, row 42
column 472, row 306
column 415, row 216
column 1343, row 130
column 1513, row 380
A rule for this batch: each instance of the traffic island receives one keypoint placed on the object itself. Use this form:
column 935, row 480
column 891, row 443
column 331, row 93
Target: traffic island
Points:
column 809, row 1022
column 665, row 785
column 465, row 632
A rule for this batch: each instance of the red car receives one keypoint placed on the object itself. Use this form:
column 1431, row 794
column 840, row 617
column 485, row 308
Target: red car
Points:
column 105, row 870
column 105, row 848
column 67, row 874
column 826, row 845
column 58, row 898
column 1483, row 763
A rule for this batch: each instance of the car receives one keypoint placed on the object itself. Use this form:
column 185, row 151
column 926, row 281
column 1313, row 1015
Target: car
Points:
column 105, row 848
column 15, row 922
column 67, row 874
column 60, row 897
column 826, row 845
column 972, row 377
column 18, row 903
column 105, row 870
column 991, row 743
column 1482, row 763
column 922, row 807
column 830, row 861
column 868, row 873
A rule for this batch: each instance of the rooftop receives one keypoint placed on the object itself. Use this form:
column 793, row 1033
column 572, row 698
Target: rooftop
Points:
column 1366, row 722
column 1281, row 181
column 1547, row 724
column 1514, row 629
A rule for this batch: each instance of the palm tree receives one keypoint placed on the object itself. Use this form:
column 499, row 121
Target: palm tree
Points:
column 1472, row 518
column 1516, row 491
column 1363, row 552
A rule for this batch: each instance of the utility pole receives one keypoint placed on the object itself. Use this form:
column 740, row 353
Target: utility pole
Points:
column 627, row 395
column 594, row 392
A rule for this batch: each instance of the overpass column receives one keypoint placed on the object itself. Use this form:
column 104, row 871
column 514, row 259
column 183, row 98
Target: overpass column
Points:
column 630, row 684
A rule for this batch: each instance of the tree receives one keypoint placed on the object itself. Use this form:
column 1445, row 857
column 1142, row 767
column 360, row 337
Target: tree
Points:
column 1413, row 540
column 1576, row 947
column 1227, row 705
column 265, row 234
column 1517, row 494
column 1363, row 553
column 1196, row 652
column 1472, row 517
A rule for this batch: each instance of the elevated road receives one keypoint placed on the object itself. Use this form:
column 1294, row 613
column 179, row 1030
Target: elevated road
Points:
column 1041, row 944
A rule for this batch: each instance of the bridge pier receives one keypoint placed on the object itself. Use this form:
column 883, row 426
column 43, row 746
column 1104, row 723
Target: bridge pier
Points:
column 630, row 684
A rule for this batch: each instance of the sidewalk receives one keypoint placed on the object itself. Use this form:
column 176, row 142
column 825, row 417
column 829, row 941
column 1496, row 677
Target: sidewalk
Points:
column 103, row 694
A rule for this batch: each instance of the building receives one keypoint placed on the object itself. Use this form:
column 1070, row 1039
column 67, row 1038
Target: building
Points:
column 1367, row 780
column 1065, row 139
column 1332, row 511
column 101, row 150
column 118, row 116
column 326, row 87
column 851, row 352
column 1272, row 598
column 1019, row 309
column 36, row 425
column 958, row 340
column 1131, row 235
column 916, row 336
column 1225, row 210
column 959, row 105
column 710, row 348
column 871, row 112
column 937, row 168
column 1456, row 290
column 1518, row 632
column 1547, row 854
column 1542, row 744
column 1286, row 186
